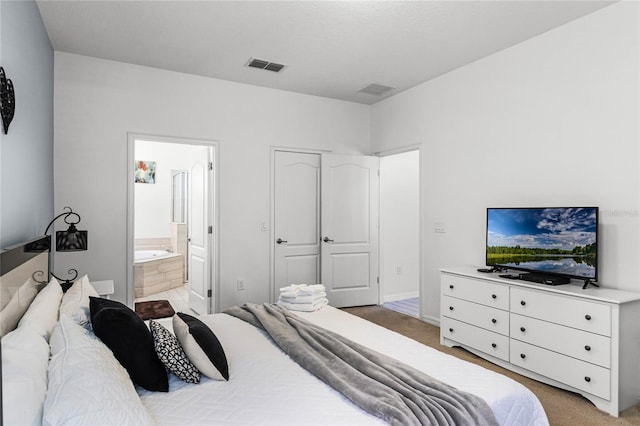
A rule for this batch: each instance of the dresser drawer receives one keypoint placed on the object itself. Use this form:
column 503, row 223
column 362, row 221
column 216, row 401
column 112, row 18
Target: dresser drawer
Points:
column 581, row 314
column 472, row 313
column 485, row 341
column 579, row 374
column 580, row 344
column 489, row 294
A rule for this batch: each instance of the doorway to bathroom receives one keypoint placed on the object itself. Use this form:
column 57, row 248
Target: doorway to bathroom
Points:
column 172, row 230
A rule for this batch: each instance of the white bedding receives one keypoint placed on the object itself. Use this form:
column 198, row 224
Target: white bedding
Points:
column 267, row 388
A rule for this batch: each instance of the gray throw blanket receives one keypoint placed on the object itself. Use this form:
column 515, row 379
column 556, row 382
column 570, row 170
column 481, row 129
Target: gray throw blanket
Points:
column 378, row 384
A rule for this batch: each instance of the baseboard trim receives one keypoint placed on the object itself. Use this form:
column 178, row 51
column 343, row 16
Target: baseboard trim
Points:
column 431, row 320
column 400, row 296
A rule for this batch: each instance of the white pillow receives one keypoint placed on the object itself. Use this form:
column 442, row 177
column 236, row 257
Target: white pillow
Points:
column 25, row 356
column 201, row 346
column 42, row 314
column 87, row 385
column 75, row 301
column 17, row 306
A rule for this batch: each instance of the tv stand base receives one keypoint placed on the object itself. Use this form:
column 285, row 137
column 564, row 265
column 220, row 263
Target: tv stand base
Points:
column 589, row 282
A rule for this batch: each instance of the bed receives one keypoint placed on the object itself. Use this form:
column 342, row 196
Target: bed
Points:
column 56, row 371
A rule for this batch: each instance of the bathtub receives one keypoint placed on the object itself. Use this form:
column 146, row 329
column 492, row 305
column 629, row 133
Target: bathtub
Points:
column 155, row 271
column 143, row 255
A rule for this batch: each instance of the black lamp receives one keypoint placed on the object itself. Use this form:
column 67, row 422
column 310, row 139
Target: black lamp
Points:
column 69, row 240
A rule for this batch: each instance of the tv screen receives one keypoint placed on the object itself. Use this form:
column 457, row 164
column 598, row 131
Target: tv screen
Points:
column 557, row 241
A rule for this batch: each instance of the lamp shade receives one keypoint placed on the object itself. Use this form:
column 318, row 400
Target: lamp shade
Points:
column 71, row 239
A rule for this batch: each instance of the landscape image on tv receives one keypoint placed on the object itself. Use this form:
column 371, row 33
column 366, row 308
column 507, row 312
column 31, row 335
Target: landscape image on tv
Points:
column 553, row 240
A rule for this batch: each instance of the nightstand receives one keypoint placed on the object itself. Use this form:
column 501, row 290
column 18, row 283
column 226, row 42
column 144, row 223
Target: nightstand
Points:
column 103, row 288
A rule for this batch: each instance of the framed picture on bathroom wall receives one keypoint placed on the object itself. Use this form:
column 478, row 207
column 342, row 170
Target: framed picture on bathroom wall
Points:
column 145, row 171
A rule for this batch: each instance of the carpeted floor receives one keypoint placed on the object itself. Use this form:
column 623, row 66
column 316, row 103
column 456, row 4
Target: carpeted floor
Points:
column 562, row 407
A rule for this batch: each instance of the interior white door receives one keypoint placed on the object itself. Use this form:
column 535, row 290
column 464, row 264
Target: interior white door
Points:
column 349, row 218
column 296, row 219
column 200, row 235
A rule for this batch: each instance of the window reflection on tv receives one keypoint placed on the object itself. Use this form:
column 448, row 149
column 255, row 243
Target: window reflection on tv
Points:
column 556, row 241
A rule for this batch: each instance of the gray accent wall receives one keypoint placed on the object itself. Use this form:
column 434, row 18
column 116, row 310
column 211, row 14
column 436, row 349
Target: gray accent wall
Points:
column 26, row 152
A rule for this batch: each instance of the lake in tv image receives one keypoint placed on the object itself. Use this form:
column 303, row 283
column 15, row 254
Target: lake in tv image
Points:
column 551, row 240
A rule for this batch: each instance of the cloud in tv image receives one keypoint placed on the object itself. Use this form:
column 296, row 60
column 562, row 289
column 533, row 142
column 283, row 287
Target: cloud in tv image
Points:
column 553, row 240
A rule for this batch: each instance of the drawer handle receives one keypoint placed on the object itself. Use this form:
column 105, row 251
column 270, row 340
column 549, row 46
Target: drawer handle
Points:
column 451, row 308
column 451, row 286
column 587, row 379
column 493, row 296
column 587, row 348
column 523, row 356
column 522, row 302
column 587, row 317
column 522, row 329
column 451, row 330
column 493, row 345
column 493, row 320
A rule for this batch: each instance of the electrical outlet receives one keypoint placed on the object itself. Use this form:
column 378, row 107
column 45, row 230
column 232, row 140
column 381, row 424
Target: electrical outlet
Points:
column 240, row 284
column 439, row 227
column 398, row 270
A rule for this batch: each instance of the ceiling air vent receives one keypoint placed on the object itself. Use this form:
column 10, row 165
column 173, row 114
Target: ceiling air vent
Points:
column 376, row 89
column 265, row 65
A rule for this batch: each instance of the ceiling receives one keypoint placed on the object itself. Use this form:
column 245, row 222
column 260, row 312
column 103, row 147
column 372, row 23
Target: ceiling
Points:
column 330, row 48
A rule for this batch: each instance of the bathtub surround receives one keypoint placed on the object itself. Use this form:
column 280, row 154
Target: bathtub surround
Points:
column 156, row 271
column 179, row 243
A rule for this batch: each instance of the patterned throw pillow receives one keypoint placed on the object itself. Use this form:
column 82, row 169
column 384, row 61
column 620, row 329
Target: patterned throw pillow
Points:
column 172, row 355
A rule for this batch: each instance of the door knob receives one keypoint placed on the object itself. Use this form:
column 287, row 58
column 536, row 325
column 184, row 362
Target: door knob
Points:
column 327, row 240
column 280, row 241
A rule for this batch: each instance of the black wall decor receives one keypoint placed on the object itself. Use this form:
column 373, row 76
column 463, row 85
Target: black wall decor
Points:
column 7, row 100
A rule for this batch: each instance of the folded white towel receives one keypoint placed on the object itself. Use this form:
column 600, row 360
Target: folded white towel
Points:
column 305, row 307
column 292, row 287
column 311, row 290
column 290, row 294
column 302, row 299
column 295, row 290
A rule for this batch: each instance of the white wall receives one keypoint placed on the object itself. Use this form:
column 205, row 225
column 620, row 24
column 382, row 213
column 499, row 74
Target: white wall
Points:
column 26, row 152
column 97, row 102
column 551, row 121
column 153, row 202
column 399, row 236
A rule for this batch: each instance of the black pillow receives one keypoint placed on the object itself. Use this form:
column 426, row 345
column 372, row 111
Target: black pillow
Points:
column 201, row 346
column 131, row 342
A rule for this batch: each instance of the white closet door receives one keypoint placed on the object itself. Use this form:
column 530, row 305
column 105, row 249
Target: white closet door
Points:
column 297, row 219
column 349, row 218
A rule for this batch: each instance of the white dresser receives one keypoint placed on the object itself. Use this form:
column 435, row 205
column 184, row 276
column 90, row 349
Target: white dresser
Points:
column 585, row 341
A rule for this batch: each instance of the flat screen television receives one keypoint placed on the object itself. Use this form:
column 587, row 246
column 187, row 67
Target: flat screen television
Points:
column 558, row 241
